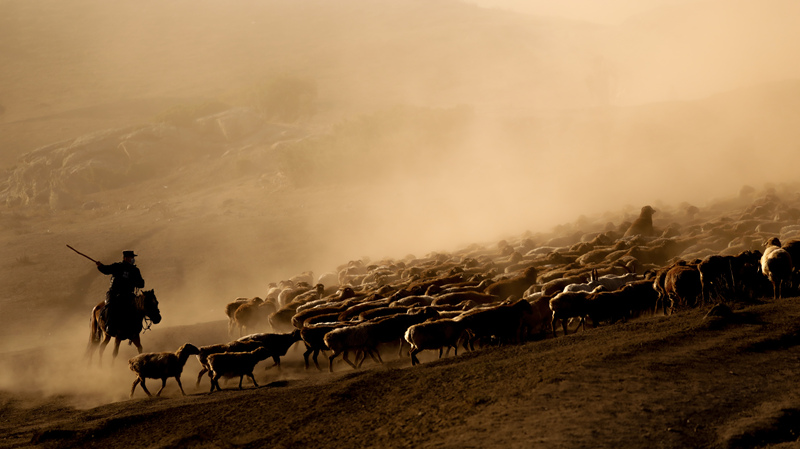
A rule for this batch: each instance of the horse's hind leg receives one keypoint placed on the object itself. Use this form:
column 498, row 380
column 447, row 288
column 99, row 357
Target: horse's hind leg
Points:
column 103, row 345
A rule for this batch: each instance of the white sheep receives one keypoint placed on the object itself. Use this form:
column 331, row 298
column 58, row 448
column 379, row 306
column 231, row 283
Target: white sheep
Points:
column 776, row 264
column 438, row 334
column 610, row 281
column 232, row 364
column 160, row 365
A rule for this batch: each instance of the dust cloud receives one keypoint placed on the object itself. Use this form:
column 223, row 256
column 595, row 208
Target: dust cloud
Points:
column 423, row 126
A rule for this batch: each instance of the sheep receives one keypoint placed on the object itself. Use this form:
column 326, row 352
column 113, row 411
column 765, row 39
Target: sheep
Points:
column 343, row 339
column 381, row 312
column 230, row 310
column 515, row 286
column 160, row 365
column 252, row 314
column 643, row 225
column 235, row 346
column 313, row 337
column 610, row 282
column 538, row 321
column 392, row 328
column 438, row 334
column 776, row 264
column 278, row 344
column 456, row 298
column 736, row 276
column 231, row 364
column 682, row 285
column 281, row 320
column 356, row 310
column 505, row 322
column 569, row 305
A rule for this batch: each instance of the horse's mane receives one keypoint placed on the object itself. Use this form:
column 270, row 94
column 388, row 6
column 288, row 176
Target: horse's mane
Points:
column 140, row 300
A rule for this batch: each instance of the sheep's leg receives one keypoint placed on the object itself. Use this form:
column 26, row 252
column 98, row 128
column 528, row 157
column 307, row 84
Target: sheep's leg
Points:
column 214, row 382
column 314, row 357
column 360, row 357
column 553, row 325
column 414, row 351
column 200, row 375
column 441, row 350
column 144, row 387
column 344, row 356
column 277, row 363
column 135, row 383
column 178, row 378
column 253, row 378
column 376, row 355
column 564, row 325
column 241, row 378
column 163, row 384
column 305, row 355
column 330, row 359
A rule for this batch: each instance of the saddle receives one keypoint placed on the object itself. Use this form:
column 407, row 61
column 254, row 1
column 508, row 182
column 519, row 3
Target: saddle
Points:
column 118, row 319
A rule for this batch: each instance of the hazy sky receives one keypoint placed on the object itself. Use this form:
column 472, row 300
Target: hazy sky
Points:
column 599, row 11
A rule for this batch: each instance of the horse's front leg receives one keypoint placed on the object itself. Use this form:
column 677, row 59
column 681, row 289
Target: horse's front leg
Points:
column 137, row 342
column 117, row 341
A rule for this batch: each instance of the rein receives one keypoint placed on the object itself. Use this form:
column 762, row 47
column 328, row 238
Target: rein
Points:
column 146, row 321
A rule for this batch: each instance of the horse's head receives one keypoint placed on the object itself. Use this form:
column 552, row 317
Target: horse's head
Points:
column 150, row 306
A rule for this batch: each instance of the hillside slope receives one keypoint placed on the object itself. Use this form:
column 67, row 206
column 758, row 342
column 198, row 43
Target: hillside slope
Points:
column 678, row 381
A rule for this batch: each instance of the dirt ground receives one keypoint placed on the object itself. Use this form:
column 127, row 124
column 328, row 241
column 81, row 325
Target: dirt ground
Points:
column 677, row 381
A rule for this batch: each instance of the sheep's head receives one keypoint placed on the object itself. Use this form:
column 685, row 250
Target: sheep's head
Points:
column 647, row 211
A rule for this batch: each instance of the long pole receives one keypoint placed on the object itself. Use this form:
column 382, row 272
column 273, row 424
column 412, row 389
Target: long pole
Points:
column 84, row 255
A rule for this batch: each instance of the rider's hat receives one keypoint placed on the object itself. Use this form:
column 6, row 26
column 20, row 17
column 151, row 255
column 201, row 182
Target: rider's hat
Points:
column 128, row 254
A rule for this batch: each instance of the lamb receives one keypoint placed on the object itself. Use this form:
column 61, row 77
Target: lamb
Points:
column 776, row 264
column 235, row 346
column 160, row 365
column 278, row 344
column 438, row 334
column 642, row 225
column 231, row 364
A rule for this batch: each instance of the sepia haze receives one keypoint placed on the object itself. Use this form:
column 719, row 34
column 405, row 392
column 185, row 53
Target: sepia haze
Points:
column 547, row 115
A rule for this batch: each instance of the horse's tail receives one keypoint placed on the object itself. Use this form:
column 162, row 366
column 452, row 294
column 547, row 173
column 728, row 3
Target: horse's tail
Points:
column 95, row 334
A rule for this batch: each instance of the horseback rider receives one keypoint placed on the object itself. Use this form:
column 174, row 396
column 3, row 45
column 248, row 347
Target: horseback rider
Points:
column 125, row 278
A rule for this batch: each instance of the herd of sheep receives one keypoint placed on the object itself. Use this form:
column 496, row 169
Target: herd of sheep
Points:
column 512, row 292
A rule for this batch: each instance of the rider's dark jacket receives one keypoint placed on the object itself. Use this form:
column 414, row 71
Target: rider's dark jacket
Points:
column 125, row 277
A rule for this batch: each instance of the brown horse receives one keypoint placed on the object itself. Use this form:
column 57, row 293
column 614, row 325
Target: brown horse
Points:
column 145, row 306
